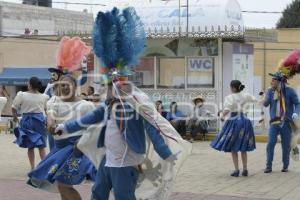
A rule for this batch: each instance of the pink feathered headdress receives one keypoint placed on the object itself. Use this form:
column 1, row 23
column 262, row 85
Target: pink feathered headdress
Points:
column 70, row 53
column 288, row 67
column 292, row 61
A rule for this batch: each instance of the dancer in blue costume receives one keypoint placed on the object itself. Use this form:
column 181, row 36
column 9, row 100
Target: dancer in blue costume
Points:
column 284, row 108
column 64, row 166
column 31, row 132
column 237, row 134
column 52, row 86
column 131, row 125
column 52, row 90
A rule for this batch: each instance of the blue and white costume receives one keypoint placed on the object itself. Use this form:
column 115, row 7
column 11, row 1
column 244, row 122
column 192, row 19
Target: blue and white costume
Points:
column 237, row 133
column 280, row 122
column 50, row 92
column 125, row 147
column 64, row 164
column 124, row 139
column 56, row 73
column 31, row 131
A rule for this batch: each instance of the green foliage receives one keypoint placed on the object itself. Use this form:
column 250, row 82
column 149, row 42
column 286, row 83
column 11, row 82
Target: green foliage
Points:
column 291, row 16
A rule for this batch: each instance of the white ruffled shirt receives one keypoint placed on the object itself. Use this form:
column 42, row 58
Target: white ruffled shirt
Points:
column 62, row 111
column 238, row 102
column 26, row 102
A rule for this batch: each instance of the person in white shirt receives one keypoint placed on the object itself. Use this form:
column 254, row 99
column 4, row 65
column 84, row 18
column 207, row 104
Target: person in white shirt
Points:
column 31, row 132
column 4, row 96
column 237, row 134
column 65, row 166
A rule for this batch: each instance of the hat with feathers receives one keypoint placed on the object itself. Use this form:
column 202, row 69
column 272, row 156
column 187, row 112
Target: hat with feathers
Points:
column 118, row 41
column 69, row 56
column 288, row 67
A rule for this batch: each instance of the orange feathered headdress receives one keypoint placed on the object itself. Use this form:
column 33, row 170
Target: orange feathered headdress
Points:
column 70, row 53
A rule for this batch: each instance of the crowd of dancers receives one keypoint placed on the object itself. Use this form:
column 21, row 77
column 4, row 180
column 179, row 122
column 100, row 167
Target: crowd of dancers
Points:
column 125, row 144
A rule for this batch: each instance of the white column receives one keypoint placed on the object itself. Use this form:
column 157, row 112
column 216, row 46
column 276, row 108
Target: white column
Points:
column 155, row 72
column 219, row 73
column 185, row 73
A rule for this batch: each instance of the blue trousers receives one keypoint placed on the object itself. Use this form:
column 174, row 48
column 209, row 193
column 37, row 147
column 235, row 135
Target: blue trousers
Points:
column 285, row 131
column 122, row 181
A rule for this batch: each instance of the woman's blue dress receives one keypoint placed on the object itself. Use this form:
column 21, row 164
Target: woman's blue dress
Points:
column 31, row 132
column 236, row 135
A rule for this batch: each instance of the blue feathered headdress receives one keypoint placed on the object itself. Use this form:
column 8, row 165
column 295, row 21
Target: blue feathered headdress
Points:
column 118, row 40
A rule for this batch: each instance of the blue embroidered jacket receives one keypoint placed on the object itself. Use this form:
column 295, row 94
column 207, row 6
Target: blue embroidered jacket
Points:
column 292, row 103
column 133, row 132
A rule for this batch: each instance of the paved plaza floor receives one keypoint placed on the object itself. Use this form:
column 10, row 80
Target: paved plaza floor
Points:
column 204, row 176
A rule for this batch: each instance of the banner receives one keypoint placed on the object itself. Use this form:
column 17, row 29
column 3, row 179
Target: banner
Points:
column 173, row 16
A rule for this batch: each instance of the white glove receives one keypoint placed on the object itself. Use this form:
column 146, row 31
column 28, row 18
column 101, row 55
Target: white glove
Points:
column 172, row 158
column 294, row 116
column 60, row 128
column 261, row 101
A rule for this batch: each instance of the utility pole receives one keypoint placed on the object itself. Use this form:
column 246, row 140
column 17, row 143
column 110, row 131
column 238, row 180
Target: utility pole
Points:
column 179, row 25
column 187, row 18
column 91, row 7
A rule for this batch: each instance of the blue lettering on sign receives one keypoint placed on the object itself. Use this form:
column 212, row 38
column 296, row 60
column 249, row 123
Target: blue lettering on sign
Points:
column 198, row 64
column 163, row 13
column 195, row 64
column 207, row 64
column 234, row 15
column 174, row 13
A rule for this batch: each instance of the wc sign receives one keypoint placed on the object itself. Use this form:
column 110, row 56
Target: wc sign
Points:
column 200, row 64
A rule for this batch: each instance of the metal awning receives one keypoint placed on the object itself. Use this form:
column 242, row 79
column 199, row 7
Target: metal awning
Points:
column 20, row 76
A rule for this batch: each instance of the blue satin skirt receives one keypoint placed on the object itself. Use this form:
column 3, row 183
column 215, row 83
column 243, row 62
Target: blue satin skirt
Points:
column 31, row 132
column 63, row 164
column 236, row 135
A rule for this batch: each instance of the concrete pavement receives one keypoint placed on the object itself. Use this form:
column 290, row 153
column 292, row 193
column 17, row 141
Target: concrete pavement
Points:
column 205, row 176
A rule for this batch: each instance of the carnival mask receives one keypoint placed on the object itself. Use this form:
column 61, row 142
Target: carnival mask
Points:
column 54, row 76
column 83, row 63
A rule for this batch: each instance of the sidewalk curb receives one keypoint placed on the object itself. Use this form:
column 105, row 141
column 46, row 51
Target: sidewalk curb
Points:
column 258, row 138
column 209, row 137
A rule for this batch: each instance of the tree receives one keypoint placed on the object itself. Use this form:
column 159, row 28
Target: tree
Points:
column 291, row 16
